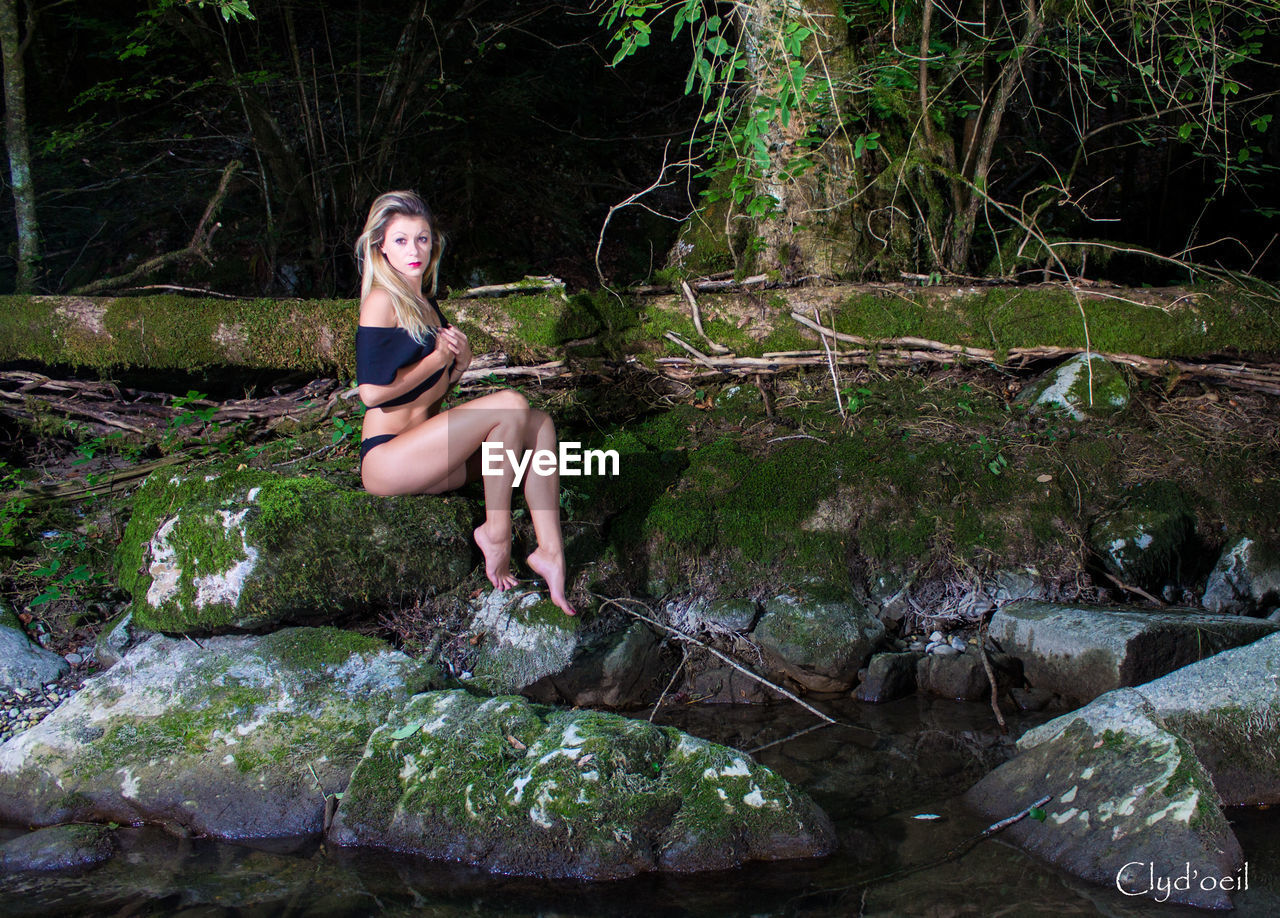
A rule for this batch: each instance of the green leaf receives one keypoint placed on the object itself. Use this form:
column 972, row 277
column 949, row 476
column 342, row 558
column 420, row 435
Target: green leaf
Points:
column 1184, row 132
column 406, row 731
column 49, row 595
column 1036, row 813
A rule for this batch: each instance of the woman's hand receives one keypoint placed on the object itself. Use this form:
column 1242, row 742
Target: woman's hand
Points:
column 461, row 349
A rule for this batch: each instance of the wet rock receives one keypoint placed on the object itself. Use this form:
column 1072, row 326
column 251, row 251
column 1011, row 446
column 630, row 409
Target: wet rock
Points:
column 1227, row 707
column 251, row 549
column 234, row 737
column 58, row 848
column 1031, row 699
column 1245, row 581
column 1081, row 652
column 522, row 789
column 889, row 676
column 1143, row 542
column 615, row 669
column 819, row 644
column 1085, row 386
column 961, row 677
column 716, row 683
column 24, row 664
column 1124, row 791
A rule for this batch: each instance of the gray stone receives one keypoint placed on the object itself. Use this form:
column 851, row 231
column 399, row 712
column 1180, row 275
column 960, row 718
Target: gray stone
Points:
column 889, row 676
column 819, row 644
column 716, row 683
column 1010, row 586
column 27, row 665
column 1227, row 707
column 234, row 737
column 1084, row 386
column 959, row 676
column 58, row 848
column 1246, row 580
column 251, row 549
column 120, row 635
column 1081, row 652
column 614, row 670
column 521, row 639
column 1124, row 792
column 700, row 614
column 522, row 789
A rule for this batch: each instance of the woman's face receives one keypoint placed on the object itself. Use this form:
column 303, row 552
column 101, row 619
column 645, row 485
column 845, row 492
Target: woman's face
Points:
column 407, row 245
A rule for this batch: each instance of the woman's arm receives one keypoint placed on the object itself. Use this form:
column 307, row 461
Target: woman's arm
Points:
column 376, row 310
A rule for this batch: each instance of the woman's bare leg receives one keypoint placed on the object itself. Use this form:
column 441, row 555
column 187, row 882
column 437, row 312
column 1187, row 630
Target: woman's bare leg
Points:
column 432, row 458
column 542, row 494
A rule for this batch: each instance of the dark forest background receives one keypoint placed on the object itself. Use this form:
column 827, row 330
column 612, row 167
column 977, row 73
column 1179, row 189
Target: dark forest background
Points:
column 507, row 116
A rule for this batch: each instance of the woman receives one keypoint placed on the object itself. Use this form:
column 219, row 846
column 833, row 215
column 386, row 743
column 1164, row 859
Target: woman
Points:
column 407, row 357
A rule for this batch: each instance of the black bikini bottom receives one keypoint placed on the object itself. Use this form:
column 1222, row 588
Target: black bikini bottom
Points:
column 369, row 443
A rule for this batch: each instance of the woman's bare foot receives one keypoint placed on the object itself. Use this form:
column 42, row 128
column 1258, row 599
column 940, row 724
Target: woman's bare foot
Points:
column 497, row 558
column 551, row 568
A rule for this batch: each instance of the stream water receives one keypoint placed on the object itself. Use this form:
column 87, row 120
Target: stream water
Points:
column 891, row 764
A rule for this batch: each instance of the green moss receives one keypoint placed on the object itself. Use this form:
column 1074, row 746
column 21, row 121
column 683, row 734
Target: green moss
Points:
column 312, row 648
column 181, row 333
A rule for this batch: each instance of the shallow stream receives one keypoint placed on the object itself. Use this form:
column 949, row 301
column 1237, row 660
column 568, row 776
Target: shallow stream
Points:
column 891, row 764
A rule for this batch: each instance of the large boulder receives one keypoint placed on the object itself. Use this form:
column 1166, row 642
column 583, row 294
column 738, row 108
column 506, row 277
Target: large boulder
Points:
column 1081, row 652
column 22, row 663
column 236, row 736
column 819, row 644
column 522, row 789
column 1246, row 580
column 252, row 549
column 1125, row 793
column 1084, row 386
column 1227, row 707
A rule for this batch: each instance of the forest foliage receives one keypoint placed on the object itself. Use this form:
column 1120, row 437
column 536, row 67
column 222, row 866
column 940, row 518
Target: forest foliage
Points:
column 837, row 138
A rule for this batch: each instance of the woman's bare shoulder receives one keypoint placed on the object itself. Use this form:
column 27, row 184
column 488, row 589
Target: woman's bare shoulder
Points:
column 378, row 309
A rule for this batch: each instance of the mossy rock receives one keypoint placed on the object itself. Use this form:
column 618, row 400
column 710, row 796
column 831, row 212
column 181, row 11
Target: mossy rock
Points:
column 520, row 638
column 517, row 788
column 1227, row 707
column 1124, row 791
column 251, row 549
column 820, row 643
column 1145, row 541
column 1085, row 386
column 1246, row 579
column 58, row 848
column 236, row 736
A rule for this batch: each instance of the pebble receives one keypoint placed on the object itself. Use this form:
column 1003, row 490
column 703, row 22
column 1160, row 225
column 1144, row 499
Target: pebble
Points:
column 21, row 709
column 937, row 637
column 945, row 650
column 959, row 644
column 74, row 659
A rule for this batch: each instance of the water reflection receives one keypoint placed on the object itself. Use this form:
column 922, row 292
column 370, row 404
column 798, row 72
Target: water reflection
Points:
column 873, row 774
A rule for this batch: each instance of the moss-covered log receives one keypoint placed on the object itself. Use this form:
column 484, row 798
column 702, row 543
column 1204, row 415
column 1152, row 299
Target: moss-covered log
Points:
column 319, row 335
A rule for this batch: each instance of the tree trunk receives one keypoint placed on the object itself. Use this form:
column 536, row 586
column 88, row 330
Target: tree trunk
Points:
column 15, row 125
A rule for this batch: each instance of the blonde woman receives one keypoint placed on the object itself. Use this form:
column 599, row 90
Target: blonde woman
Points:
column 407, row 357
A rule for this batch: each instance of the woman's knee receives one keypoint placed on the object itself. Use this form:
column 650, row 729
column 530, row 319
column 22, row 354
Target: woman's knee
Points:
column 510, row 400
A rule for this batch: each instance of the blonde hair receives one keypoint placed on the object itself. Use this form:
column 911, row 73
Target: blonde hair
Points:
column 375, row 271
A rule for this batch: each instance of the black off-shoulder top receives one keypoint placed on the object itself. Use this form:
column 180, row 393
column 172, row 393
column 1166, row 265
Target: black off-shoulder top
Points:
column 382, row 350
